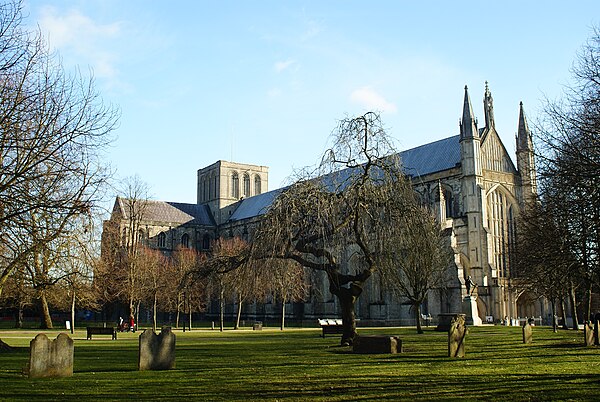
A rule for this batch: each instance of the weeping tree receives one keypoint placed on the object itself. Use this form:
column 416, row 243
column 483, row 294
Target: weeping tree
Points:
column 342, row 218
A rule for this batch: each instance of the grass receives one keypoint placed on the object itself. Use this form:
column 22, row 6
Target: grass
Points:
column 297, row 364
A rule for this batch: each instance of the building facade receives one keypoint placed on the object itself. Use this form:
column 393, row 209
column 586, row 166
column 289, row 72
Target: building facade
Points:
column 469, row 180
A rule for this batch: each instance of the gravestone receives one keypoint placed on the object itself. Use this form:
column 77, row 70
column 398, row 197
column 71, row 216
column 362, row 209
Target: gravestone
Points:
column 527, row 333
column 377, row 344
column 456, row 336
column 157, row 352
column 51, row 358
column 588, row 333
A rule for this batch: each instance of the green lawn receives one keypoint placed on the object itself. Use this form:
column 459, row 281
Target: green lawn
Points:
column 297, row 364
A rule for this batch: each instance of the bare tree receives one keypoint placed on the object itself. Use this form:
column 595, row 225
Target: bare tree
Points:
column 545, row 263
column 568, row 139
column 419, row 256
column 287, row 282
column 53, row 128
column 339, row 219
column 156, row 272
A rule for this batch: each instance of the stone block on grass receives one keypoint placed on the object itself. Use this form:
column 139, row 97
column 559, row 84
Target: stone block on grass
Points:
column 377, row 344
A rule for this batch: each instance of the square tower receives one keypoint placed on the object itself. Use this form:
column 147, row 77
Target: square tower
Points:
column 225, row 183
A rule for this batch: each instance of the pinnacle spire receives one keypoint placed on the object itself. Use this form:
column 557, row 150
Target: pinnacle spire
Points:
column 488, row 107
column 468, row 124
column 524, row 141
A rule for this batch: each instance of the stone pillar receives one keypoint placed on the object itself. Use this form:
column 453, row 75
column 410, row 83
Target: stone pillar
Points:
column 471, row 311
column 456, row 337
column 51, row 358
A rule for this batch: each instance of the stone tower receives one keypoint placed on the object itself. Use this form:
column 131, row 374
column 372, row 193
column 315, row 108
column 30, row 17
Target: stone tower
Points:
column 223, row 184
column 525, row 159
column 471, row 188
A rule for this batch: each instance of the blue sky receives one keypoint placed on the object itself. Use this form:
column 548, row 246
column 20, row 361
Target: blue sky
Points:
column 265, row 82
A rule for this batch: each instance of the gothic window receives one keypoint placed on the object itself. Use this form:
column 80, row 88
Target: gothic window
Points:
column 501, row 224
column 450, row 213
column 215, row 185
column 257, row 189
column 246, row 192
column 210, row 187
column 185, row 240
column 205, row 195
column 206, row 242
column 162, row 240
column 235, row 185
column 124, row 237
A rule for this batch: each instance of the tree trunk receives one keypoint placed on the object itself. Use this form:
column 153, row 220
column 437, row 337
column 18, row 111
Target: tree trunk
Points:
column 347, row 301
column 221, row 308
column 573, row 301
column 564, row 314
column 282, row 314
column 46, row 319
column 239, row 313
column 19, row 317
column 554, row 323
column 73, row 312
column 588, row 303
column 417, row 308
column 154, row 312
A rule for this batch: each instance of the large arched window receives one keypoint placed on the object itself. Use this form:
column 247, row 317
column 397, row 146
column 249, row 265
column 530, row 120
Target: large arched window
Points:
column 235, row 185
column 246, row 189
column 206, row 242
column 501, row 224
column 185, row 240
column 162, row 240
column 257, row 185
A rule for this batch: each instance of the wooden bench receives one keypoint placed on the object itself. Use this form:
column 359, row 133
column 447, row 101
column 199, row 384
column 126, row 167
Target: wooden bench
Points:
column 101, row 331
column 331, row 327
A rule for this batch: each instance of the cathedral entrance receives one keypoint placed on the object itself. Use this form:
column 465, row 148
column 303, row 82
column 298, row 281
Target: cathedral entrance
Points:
column 528, row 305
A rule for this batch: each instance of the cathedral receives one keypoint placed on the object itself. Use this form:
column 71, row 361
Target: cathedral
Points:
column 469, row 180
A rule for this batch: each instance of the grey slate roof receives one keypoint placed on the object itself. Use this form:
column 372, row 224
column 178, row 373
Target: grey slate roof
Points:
column 420, row 161
column 174, row 212
column 433, row 157
column 255, row 206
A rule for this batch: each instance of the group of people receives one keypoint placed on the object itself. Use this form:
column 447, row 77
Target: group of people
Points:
column 126, row 326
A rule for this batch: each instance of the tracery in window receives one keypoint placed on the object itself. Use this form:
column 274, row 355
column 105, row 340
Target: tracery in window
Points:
column 162, row 240
column 257, row 185
column 235, row 185
column 501, row 224
column 246, row 188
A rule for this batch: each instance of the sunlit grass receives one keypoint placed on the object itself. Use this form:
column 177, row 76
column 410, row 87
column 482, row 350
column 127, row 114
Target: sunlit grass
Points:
column 297, row 364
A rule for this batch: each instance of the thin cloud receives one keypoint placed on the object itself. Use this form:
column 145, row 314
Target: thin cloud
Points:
column 81, row 36
column 283, row 65
column 371, row 100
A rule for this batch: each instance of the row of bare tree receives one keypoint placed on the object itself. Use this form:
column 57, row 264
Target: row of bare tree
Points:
column 558, row 254
column 53, row 129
